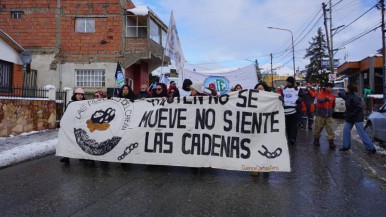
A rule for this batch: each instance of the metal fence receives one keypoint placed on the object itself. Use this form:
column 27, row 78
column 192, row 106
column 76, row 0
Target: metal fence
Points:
column 24, row 92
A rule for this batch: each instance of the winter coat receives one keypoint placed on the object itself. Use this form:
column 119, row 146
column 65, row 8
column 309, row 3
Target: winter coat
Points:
column 290, row 100
column 308, row 100
column 324, row 106
column 354, row 107
column 143, row 94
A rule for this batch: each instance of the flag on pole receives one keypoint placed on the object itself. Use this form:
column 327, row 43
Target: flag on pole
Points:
column 173, row 46
column 164, row 79
column 119, row 77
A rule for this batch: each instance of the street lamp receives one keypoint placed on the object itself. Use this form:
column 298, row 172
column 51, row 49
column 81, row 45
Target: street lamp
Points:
column 293, row 49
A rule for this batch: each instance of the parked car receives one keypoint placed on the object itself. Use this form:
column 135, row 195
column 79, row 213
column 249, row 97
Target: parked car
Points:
column 340, row 107
column 376, row 125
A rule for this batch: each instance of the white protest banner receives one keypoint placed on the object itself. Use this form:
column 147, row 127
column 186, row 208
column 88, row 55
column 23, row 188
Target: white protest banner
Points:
column 242, row 130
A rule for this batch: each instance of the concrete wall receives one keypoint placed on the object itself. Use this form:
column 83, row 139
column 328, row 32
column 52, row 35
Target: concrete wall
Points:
column 25, row 115
column 67, row 71
column 7, row 53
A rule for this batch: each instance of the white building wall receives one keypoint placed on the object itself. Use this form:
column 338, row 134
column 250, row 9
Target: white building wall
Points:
column 7, row 53
column 67, row 71
column 64, row 75
column 45, row 76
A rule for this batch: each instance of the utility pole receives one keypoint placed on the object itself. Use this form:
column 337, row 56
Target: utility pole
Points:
column 325, row 27
column 331, row 41
column 271, row 73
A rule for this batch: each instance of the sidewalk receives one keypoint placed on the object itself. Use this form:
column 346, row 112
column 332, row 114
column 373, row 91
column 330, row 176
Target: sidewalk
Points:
column 16, row 149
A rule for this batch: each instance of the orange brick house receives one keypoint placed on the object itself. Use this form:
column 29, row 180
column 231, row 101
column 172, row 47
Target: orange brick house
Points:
column 78, row 43
column 11, row 66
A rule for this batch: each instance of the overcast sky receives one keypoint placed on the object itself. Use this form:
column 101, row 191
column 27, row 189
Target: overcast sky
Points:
column 222, row 33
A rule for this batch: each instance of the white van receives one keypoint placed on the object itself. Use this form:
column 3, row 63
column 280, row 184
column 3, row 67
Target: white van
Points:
column 340, row 107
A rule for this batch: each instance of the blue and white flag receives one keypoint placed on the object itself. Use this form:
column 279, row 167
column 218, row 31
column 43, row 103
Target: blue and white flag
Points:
column 173, row 46
column 119, row 77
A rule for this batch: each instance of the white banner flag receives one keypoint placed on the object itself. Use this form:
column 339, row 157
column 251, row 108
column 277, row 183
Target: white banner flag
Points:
column 173, row 46
column 243, row 131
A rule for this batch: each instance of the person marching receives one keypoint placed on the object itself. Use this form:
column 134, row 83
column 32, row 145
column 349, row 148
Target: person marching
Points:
column 354, row 116
column 325, row 103
column 77, row 96
column 290, row 100
column 308, row 106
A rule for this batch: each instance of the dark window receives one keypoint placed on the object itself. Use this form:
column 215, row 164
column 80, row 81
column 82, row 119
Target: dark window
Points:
column 16, row 14
column 5, row 75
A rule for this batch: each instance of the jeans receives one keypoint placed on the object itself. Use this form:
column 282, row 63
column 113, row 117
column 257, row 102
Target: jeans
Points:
column 362, row 134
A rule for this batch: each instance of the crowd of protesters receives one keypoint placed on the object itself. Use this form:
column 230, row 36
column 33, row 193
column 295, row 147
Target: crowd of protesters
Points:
column 303, row 106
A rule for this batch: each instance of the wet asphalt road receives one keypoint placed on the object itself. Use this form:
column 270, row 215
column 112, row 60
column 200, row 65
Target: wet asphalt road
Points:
column 323, row 182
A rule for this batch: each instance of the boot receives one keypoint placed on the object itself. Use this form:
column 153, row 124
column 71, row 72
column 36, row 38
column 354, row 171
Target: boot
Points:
column 316, row 142
column 331, row 144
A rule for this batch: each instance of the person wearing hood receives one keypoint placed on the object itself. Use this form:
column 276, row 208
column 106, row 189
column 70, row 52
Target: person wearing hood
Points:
column 290, row 102
column 185, row 90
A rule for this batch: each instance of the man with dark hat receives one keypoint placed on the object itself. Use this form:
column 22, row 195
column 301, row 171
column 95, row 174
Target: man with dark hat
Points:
column 290, row 101
column 324, row 109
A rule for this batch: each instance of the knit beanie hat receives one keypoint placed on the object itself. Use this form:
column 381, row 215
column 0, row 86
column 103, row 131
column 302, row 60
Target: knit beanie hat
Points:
column 198, row 87
column 291, row 80
column 79, row 90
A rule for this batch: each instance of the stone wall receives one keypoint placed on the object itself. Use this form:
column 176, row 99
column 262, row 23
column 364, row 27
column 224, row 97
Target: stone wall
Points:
column 24, row 115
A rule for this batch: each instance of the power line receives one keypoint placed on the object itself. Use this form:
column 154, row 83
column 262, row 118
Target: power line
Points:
column 354, row 20
column 359, row 36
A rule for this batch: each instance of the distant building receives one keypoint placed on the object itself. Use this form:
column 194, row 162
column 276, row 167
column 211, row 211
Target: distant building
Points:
column 367, row 71
column 78, row 43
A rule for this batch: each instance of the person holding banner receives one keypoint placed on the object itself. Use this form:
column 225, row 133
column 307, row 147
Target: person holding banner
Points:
column 197, row 89
column 126, row 92
column 77, row 96
column 185, row 90
column 238, row 87
column 262, row 86
column 143, row 93
column 160, row 91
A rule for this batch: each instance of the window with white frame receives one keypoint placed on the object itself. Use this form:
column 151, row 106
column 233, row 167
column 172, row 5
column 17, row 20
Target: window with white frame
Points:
column 136, row 26
column 90, row 77
column 84, row 24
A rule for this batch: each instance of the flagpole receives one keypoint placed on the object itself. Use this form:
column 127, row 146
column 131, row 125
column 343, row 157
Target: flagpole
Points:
column 166, row 45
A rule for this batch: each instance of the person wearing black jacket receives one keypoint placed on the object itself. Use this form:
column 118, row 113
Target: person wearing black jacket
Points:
column 354, row 116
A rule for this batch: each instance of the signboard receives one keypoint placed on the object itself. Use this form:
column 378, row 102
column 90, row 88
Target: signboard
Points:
column 332, row 77
column 326, row 63
column 243, row 131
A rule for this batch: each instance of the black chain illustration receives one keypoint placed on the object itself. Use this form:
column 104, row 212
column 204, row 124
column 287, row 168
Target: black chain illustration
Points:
column 271, row 155
column 130, row 148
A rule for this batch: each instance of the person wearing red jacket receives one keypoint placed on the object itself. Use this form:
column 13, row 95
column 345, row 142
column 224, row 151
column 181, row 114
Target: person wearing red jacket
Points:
column 308, row 106
column 325, row 103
